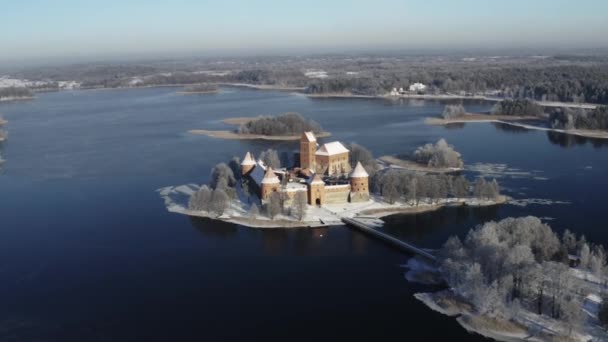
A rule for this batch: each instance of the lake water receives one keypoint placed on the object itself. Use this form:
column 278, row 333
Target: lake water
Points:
column 88, row 251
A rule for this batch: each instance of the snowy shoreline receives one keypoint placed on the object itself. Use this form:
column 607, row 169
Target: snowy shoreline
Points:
column 16, row 98
column 513, row 122
column 176, row 201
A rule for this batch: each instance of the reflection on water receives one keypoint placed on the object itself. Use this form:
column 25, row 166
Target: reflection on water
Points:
column 431, row 229
column 455, row 125
column 569, row 140
column 509, row 128
column 213, row 228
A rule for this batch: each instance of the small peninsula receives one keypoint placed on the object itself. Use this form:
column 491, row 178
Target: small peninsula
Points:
column 287, row 126
column 589, row 123
column 517, row 279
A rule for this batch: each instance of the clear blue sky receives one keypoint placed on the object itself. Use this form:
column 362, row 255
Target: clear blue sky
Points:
column 84, row 28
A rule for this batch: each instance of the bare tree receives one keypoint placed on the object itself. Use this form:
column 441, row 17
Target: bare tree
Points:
column 271, row 158
column 254, row 211
column 273, row 207
column 299, row 205
column 460, row 187
column 438, row 155
column 235, row 166
column 200, row 200
column 219, row 172
column 220, row 201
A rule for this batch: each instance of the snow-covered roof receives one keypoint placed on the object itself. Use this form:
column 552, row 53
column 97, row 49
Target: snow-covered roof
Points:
column 248, row 160
column 270, row 177
column 359, row 171
column 293, row 186
column 258, row 172
column 331, row 149
column 316, row 179
column 310, row 136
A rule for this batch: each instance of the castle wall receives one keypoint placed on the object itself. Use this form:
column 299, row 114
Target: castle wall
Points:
column 337, row 193
column 332, row 165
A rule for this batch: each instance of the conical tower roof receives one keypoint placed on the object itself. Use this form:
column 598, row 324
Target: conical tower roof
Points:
column 359, row 172
column 317, row 179
column 248, row 160
column 270, row 177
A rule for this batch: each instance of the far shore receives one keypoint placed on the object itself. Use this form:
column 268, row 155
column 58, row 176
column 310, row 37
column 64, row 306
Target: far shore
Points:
column 513, row 121
column 3, row 122
column 414, row 166
column 263, row 86
column 197, row 92
column 301, row 91
column 223, row 134
column 16, row 98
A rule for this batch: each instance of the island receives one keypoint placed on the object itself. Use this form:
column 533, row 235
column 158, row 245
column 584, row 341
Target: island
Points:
column 325, row 183
column 517, row 279
column 580, row 121
column 287, row 126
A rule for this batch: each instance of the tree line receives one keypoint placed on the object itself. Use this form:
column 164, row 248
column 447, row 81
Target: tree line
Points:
column 398, row 185
column 579, row 118
column 521, row 264
column 284, row 124
column 517, row 107
column 15, row 92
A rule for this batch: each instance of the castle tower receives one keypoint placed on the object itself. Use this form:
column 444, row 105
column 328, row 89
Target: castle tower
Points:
column 316, row 191
column 308, row 147
column 359, row 184
column 270, row 184
column 247, row 164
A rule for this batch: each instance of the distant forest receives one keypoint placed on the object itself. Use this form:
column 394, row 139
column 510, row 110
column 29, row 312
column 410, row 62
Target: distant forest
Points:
column 545, row 78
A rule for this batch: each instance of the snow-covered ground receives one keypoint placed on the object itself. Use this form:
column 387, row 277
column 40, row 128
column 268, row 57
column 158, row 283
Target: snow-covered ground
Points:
column 535, row 327
column 8, row 82
column 176, row 200
column 311, row 73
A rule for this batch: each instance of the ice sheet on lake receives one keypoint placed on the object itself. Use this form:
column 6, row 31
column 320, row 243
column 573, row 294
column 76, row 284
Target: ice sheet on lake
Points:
column 176, row 197
column 491, row 170
column 539, row 201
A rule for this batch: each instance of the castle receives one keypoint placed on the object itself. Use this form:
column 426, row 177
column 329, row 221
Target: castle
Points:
column 324, row 174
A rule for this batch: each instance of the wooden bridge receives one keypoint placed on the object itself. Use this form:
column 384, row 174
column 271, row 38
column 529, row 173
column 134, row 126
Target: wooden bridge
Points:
column 401, row 245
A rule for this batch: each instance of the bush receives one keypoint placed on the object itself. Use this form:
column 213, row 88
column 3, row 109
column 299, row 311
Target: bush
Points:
column 439, row 155
column 453, row 111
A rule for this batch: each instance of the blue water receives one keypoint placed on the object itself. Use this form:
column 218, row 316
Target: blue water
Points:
column 88, row 251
